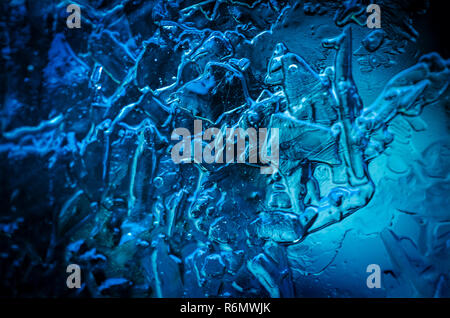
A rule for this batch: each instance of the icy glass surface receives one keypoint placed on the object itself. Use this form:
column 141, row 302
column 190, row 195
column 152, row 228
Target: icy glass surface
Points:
column 87, row 135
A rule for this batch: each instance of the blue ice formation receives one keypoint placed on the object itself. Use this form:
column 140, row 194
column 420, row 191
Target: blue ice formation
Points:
column 88, row 179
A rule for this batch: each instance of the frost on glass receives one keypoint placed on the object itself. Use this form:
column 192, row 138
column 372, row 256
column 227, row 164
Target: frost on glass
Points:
column 87, row 175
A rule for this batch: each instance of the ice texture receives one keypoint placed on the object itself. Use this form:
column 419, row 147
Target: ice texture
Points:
column 87, row 175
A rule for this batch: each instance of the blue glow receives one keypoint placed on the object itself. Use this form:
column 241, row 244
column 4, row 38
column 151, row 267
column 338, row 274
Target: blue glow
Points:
column 87, row 177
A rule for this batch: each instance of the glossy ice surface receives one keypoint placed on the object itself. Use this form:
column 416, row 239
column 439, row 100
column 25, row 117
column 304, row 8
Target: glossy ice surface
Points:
column 87, row 177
